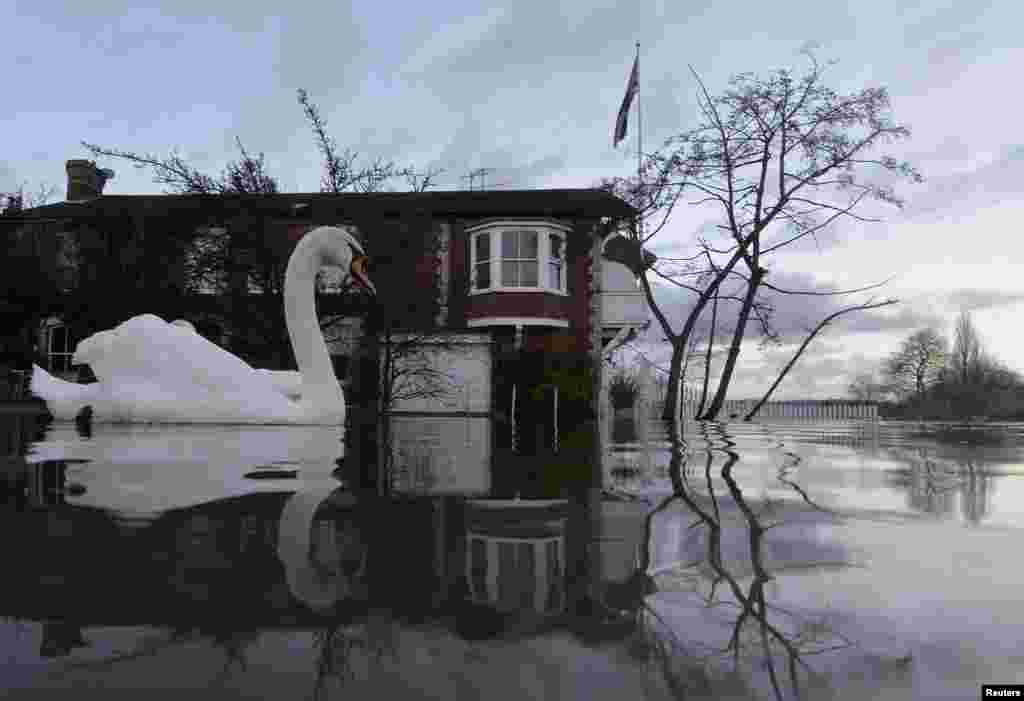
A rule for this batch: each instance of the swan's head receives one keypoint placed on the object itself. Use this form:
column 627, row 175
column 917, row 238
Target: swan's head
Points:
column 358, row 271
column 357, row 267
column 331, row 245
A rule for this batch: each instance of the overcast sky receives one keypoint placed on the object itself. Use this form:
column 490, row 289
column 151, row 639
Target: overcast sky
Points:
column 531, row 92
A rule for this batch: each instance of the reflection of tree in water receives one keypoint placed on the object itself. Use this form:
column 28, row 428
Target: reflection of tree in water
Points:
column 339, row 643
column 975, row 492
column 779, row 640
column 933, row 484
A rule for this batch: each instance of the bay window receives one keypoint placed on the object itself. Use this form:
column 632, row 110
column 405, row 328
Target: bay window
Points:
column 518, row 257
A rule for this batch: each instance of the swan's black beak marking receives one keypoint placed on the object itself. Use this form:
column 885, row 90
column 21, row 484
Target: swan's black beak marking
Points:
column 358, row 270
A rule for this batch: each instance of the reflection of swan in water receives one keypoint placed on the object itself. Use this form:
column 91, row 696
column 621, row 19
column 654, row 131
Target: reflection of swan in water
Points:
column 152, row 371
column 321, row 571
column 139, row 472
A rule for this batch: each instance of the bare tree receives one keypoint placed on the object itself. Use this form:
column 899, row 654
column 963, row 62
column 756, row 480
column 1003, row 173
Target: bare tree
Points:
column 15, row 201
column 917, row 364
column 803, row 346
column 246, row 175
column 780, row 156
column 341, row 173
column 966, row 360
column 865, row 386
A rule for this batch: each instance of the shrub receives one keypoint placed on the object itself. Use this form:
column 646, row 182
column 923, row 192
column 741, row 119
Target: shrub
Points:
column 623, row 389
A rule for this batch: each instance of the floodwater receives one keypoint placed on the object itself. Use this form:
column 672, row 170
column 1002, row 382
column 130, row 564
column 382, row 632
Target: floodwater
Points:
column 789, row 560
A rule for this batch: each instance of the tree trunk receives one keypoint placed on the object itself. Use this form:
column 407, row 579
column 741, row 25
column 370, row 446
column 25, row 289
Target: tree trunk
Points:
column 681, row 340
column 707, row 357
column 734, row 349
column 385, row 451
column 668, row 412
column 803, row 346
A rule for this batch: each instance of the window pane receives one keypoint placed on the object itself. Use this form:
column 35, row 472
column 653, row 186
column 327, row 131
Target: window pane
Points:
column 528, row 274
column 483, row 247
column 483, row 276
column 555, row 276
column 508, row 274
column 528, row 244
column 556, row 246
column 509, row 241
column 59, row 339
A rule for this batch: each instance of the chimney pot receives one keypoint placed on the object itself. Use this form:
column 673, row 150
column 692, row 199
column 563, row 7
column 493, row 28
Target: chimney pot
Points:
column 85, row 181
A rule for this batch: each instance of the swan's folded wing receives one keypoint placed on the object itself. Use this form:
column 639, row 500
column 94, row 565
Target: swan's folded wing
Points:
column 147, row 347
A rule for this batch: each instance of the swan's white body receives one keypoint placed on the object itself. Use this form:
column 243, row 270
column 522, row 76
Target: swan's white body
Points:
column 149, row 371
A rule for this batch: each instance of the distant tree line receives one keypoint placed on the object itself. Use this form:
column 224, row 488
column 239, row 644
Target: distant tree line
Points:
column 929, row 378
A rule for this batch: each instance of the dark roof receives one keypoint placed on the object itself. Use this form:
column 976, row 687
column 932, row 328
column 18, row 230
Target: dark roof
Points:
column 458, row 203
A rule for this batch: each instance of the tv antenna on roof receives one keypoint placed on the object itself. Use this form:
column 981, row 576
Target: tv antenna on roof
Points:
column 478, row 173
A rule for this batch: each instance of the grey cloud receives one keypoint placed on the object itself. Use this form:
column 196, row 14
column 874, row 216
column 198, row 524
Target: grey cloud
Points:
column 466, row 141
column 976, row 300
column 948, row 25
column 795, row 315
column 814, row 375
column 988, row 184
column 124, row 38
column 525, row 175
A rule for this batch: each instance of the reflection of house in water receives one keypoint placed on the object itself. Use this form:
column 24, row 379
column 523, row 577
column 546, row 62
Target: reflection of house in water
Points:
column 515, row 555
column 20, row 485
column 39, row 485
column 248, row 562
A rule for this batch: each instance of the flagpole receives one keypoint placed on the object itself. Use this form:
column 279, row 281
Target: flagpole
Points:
column 639, row 123
column 639, row 140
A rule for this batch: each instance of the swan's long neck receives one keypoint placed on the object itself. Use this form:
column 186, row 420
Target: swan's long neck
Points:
column 320, row 386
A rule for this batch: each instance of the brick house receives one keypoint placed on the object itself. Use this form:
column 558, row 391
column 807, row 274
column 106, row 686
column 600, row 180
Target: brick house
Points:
column 520, row 270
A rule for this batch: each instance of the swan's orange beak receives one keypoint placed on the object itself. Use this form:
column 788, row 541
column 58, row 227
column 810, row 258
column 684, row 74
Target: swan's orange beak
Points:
column 358, row 270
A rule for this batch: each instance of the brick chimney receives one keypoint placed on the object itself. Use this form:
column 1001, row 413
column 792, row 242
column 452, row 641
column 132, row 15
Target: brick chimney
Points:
column 85, row 180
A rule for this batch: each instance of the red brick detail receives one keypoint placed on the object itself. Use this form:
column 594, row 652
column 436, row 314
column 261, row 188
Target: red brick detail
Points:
column 581, row 270
column 525, row 304
column 426, row 269
column 555, row 341
column 457, row 275
column 297, row 230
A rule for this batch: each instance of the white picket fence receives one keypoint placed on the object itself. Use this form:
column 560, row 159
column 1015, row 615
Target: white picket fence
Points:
column 799, row 409
column 651, row 399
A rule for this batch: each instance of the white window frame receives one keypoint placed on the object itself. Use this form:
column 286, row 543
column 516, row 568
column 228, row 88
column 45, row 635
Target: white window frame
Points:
column 489, row 261
column 544, row 230
column 66, row 352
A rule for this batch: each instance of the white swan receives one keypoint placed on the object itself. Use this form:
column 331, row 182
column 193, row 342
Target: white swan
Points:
column 149, row 371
